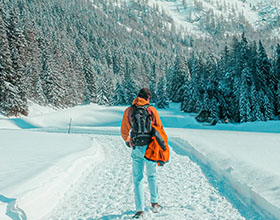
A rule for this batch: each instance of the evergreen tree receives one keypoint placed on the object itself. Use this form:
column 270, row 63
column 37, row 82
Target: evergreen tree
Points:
column 244, row 101
column 119, row 97
column 5, row 60
column 12, row 98
column 118, row 62
column 234, row 105
column 262, row 70
column 90, row 79
column 162, row 98
column 274, row 83
column 153, row 85
column 236, row 58
column 130, row 89
column 253, row 56
column 102, row 93
column 53, row 88
column 256, row 114
column 32, row 77
column 104, row 90
column 206, row 102
column 178, row 76
column 277, row 65
column 244, row 53
column 278, row 99
column 267, row 108
column 225, row 85
column 186, row 97
column 192, row 100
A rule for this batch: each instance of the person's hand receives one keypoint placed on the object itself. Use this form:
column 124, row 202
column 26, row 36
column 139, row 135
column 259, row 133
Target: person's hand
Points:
column 129, row 143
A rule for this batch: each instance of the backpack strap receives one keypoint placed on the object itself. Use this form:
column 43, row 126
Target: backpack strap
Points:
column 133, row 107
column 151, row 115
column 129, row 115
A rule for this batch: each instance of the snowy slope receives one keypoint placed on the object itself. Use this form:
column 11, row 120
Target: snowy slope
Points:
column 86, row 174
column 188, row 14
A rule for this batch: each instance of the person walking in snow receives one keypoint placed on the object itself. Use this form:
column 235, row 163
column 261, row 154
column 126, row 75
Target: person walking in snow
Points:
column 140, row 122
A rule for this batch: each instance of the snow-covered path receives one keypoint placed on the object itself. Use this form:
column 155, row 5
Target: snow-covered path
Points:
column 106, row 191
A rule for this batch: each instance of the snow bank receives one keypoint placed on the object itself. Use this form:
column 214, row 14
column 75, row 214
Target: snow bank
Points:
column 246, row 161
column 38, row 168
column 83, row 115
column 51, row 185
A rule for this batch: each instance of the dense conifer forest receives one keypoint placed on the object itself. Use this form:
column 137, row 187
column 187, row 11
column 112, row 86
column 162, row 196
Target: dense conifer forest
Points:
column 242, row 85
column 65, row 53
column 68, row 52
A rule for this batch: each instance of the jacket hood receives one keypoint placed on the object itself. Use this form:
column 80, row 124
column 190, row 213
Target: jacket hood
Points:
column 140, row 101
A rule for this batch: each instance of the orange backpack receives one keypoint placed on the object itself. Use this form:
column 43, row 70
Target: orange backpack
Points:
column 158, row 149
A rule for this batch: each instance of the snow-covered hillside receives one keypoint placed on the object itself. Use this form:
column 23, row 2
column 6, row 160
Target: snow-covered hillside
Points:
column 212, row 174
column 192, row 15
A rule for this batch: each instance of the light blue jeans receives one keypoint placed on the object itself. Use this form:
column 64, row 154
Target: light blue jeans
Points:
column 137, row 171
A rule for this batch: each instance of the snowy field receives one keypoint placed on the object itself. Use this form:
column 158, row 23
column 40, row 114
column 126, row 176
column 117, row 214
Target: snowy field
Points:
column 215, row 172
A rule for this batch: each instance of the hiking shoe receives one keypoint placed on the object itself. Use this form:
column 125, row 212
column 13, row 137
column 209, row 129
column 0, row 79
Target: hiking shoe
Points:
column 138, row 214
column 156, row 207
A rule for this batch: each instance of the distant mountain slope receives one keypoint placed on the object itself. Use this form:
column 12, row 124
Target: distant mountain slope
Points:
column 202, row 17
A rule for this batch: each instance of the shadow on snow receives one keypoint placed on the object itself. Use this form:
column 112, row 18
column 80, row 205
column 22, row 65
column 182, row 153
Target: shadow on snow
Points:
column 12, row 210
column 120, row 216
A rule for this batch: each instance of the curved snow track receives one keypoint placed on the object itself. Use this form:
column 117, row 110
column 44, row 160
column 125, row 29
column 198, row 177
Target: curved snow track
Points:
column 106, row 191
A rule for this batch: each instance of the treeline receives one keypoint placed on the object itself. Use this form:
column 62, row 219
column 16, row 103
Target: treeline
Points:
column 68, row 52
column 242, row 85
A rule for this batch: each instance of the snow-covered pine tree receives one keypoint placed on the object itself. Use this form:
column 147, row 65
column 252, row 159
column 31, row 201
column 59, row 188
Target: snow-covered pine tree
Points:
column 192, row 97
column 225, row 84
column 52, row 84
column 278, row 98
column 256, row 113
column 277, row 73
column 215, row 101
column 161, row 91
column 180, row 69
column 130, row 88
column 234, row 105
column 5, row 60
column 263, row 81
column 253, row 56
column 246, row 82
column 267, row 108
column 192, row 100
column 90, row 79
column 105, row 89
column 118, row 62
column 274, row 84
column 244, row 59
column 235, row 58
column 153, row 82
column 32, row 77
column 119, row 95
column 12, row 98
column 262, row 70
column 102, row 93
column 187, row 95
column 244, row 100
column 277, row 65
column 206, row 102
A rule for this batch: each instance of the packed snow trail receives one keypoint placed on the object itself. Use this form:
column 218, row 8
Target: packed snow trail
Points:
column 106, row 191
